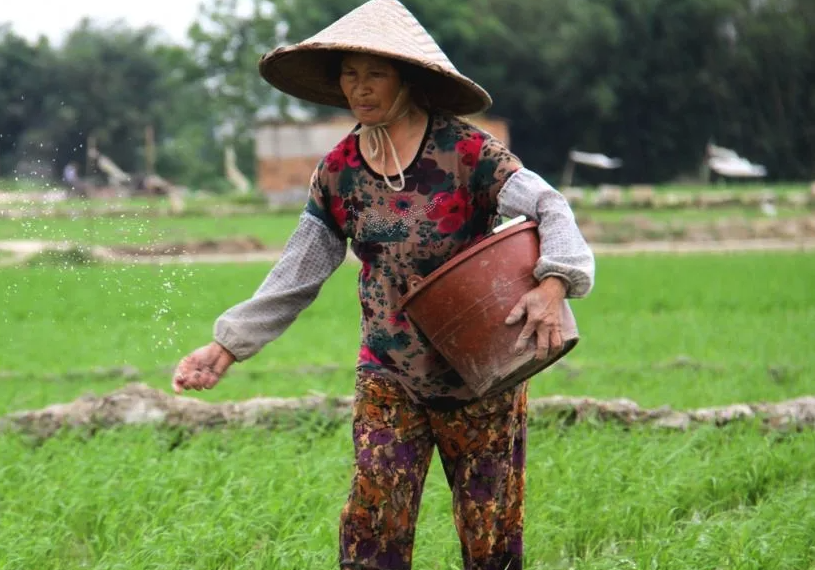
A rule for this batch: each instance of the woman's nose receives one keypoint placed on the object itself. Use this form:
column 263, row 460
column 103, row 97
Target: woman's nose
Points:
column 363, row 87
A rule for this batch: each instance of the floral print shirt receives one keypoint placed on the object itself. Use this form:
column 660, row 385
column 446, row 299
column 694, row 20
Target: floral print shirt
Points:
column 458, row 187
column 449, row 202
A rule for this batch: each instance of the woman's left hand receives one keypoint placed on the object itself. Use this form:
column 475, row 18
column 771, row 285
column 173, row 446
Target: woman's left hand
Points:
column 542, row 306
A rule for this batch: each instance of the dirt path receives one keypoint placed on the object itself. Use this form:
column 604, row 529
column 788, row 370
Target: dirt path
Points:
column 139, row 404
column 20, row 250
column 688, row 247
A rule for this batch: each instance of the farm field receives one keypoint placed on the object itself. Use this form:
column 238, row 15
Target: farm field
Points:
column 154, row 170
column 271, row 229
column 143, row 222
column 739, row 322
column 687, row 331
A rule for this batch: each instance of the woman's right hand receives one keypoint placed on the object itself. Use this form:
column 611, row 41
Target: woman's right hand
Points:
column 202, row 368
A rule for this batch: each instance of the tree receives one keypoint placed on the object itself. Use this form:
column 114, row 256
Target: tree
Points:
column 228, row 48
column 111, row 86
column 25, row 74
column 765, row 104
column 651, row 81
column 109, row 83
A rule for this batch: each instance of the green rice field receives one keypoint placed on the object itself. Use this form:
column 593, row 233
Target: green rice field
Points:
column 685, row 331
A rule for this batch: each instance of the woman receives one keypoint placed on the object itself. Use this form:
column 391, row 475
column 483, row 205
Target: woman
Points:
column 412, row 186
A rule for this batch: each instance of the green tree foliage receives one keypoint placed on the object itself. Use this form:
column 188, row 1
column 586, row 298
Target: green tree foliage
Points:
column 650, row 81
column 227, row 49
column 25, row 74
column 109, row 83
column 766, row 100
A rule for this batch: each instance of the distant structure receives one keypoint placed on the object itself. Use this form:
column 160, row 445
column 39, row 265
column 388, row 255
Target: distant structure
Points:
column 590, row 159
column 120, row 182
column 233, row 173
column 727, row 163
column 117, row 177
column 287, row 152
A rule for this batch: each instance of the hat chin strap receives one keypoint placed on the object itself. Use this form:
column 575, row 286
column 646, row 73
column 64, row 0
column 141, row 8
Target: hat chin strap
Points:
column 374, row 137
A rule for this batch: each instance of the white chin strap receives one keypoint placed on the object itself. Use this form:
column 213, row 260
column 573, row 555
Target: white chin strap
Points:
column 374, row 137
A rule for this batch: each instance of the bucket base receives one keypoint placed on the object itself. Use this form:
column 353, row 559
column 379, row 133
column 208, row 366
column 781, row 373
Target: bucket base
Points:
column 517, row 370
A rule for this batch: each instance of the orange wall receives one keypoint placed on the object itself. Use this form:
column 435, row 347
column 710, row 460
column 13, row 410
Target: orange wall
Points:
column 286, row 154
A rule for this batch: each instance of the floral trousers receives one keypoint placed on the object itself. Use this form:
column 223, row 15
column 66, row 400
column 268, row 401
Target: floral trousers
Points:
column 483, row 451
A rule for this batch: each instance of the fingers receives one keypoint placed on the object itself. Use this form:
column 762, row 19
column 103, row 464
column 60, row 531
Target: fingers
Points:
column 178, row 384
column 523, row 338
column 201, row 370
column 544, row 325
column 203, row 379
column 542, row 348
column 517, row 312
column 555, row 341
column 514, row 317
column 209, row 379
column 550, row 340
column 180, row 375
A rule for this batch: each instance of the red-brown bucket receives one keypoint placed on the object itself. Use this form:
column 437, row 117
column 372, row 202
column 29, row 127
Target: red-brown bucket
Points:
column 462, row 306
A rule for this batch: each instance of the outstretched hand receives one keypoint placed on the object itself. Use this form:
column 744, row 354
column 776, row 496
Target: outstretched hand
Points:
column 202, row 368
column 542, row 307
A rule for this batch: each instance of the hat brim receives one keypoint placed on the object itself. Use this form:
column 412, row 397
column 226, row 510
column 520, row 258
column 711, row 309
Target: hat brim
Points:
column 304, row 71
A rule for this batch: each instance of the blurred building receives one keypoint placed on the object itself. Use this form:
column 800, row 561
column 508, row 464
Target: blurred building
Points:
column 286, row 153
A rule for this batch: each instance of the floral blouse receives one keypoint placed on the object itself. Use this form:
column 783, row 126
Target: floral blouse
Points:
column 456, row 190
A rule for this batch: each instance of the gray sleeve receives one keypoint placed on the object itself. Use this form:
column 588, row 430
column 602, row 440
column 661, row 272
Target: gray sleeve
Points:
column 564, row 251
column 311, row 255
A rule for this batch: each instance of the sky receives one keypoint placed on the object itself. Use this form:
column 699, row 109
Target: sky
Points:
column 55, row 18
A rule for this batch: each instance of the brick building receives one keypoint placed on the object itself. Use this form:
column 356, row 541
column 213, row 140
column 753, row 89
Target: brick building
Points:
column 287, row 153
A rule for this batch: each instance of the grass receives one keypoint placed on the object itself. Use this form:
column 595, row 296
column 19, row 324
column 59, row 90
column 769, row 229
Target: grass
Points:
column 746, row 317
column 684, row 216
column 274, row 229
column 735, row 186
column 271, row 229
column 17, row 184
column 139, row 226
column 600, row 497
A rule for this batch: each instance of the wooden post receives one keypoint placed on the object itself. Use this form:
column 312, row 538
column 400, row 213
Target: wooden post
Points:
column 149, row 149
column 90, row 155
column 568, row 174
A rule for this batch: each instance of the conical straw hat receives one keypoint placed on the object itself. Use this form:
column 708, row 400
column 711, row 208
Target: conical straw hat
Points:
column 379, row 27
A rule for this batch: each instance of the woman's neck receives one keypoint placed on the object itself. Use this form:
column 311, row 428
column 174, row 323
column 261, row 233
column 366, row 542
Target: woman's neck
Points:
column 391, row 149
column 407, row 127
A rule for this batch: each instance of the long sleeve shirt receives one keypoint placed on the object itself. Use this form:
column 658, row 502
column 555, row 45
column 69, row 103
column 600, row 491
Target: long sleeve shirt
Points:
column 459, row 186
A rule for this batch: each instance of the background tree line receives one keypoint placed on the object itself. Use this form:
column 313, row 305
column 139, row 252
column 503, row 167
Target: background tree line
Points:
column 649, row 81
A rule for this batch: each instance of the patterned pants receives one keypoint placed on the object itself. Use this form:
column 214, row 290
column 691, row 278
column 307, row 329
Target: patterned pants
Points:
column 482, row 448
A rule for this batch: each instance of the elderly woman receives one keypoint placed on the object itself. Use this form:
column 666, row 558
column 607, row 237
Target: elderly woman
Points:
column 409, row 188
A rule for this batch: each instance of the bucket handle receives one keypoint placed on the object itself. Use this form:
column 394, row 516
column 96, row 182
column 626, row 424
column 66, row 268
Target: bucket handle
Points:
column 509, row 223
column 414, row 282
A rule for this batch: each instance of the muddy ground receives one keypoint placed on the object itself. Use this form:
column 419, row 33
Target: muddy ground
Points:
column 139, row 404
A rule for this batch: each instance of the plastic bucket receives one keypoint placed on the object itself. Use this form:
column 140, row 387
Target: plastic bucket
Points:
column 462, row 306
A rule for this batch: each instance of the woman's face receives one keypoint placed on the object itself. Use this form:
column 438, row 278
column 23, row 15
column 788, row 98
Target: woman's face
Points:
column 371, row 85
